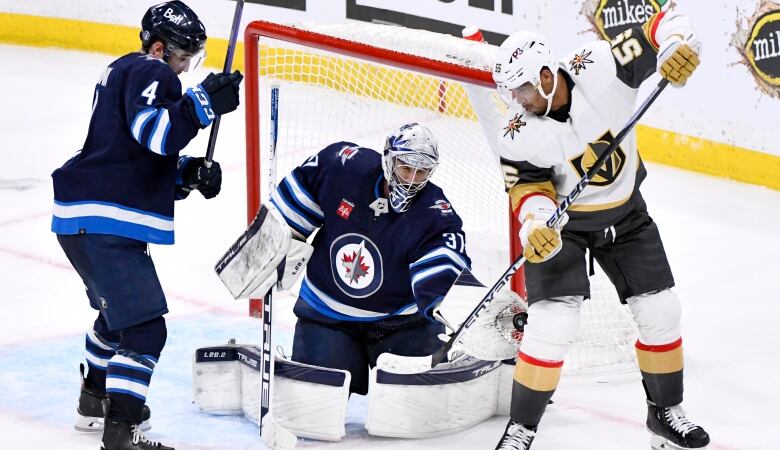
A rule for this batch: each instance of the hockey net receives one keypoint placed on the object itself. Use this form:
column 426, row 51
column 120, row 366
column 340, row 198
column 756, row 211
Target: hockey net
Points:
column 358, row 82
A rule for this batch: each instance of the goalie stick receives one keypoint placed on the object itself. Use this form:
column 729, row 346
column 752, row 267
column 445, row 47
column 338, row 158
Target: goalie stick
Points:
column 228, row 64
column 417, row 364
column 272, row 434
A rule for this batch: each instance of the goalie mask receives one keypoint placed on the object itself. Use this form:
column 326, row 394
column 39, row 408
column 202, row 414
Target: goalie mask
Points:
column 521, row 58
column 179, row 28
column 409, row 159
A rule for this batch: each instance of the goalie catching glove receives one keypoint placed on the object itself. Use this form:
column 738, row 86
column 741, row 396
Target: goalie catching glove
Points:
column 269, row 252
column 539, row 241
column 497, row 332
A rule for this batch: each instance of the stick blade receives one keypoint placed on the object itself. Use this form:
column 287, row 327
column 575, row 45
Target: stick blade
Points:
column 276, row 436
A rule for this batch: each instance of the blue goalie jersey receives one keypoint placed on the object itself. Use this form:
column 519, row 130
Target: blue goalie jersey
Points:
column 369, row 263
column 124, row 180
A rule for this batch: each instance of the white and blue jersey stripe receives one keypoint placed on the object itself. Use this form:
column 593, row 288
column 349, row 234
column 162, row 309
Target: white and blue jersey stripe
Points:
column 111, row 218
column 298, row 206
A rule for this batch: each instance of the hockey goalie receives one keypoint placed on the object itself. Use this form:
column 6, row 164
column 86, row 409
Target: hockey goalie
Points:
column 389, row 246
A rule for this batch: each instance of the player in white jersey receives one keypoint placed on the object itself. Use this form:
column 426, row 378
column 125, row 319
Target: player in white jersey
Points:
column 562, row 116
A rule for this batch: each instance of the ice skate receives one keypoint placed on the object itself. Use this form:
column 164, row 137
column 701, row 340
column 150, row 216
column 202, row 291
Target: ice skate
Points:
column 516, row 437
column 120, row 435
column 671, row 429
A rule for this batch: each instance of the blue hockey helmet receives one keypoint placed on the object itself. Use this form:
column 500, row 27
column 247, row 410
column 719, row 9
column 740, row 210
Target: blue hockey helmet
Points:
column 178, row 27
column 411, row 155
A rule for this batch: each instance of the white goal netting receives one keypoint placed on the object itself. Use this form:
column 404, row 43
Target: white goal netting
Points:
column 358, row 95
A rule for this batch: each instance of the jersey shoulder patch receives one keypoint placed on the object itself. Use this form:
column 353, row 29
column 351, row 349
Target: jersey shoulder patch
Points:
column 526, row 137
column 347, row 154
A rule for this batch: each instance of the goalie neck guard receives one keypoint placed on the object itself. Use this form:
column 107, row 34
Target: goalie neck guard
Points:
column 411, row 155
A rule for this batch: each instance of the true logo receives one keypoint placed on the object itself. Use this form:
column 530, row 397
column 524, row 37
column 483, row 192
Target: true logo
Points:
column 758, row 41
column 609, row 172
column 612, row 17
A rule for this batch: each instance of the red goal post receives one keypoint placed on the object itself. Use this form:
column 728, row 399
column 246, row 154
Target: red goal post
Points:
column 440, row 69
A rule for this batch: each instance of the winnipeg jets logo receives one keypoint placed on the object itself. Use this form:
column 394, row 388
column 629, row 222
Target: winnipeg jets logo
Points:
column 356, row 265
column 443, row 206
column 514, row 125
column 579, row 62
column 347, row 153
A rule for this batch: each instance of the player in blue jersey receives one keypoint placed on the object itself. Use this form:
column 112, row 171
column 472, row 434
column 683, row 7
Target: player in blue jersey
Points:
column 389, row 246
column 117, row 195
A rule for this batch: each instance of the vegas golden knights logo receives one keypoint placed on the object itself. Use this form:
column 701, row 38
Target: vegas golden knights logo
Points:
column 612, row 17
column 758, row 41
column 611, row 169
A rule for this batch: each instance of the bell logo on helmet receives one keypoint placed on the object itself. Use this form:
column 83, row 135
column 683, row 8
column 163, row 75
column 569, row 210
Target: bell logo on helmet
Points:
column 173, row 17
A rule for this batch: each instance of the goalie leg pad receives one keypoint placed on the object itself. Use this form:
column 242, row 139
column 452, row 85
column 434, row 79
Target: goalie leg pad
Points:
column 309, row 401
column 216, row 380
column 657, row 315
column 552, row 328
column 450, row 398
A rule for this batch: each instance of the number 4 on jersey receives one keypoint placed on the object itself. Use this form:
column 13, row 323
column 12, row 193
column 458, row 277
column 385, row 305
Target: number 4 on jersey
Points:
column 150, row 92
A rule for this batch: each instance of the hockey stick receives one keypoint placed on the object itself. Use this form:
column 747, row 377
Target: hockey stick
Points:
column 228, row 64
column 273, row 435
column 405, row 364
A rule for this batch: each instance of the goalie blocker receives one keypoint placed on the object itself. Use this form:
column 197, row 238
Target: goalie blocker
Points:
column 311, row 401
column 269, row 252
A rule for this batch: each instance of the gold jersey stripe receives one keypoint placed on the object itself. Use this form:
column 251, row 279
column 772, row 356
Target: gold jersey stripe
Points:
column 660, row 362
column 519, row 191
column 535, row 377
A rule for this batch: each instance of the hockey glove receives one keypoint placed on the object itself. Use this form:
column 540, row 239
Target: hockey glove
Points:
column 678, row 57
column 195, row 175
column 222, row 89
column 540, row 242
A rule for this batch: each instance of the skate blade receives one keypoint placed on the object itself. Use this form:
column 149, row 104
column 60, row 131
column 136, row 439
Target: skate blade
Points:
column 88, row 424
column 661, row 443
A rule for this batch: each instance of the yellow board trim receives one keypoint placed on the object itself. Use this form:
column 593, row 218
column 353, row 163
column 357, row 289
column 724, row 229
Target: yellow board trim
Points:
column 117, row 40
column 660, row 362
column 656, row 145
column 708, row 157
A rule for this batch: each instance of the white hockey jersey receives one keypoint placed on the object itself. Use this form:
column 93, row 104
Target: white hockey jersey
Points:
column 542, row 154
